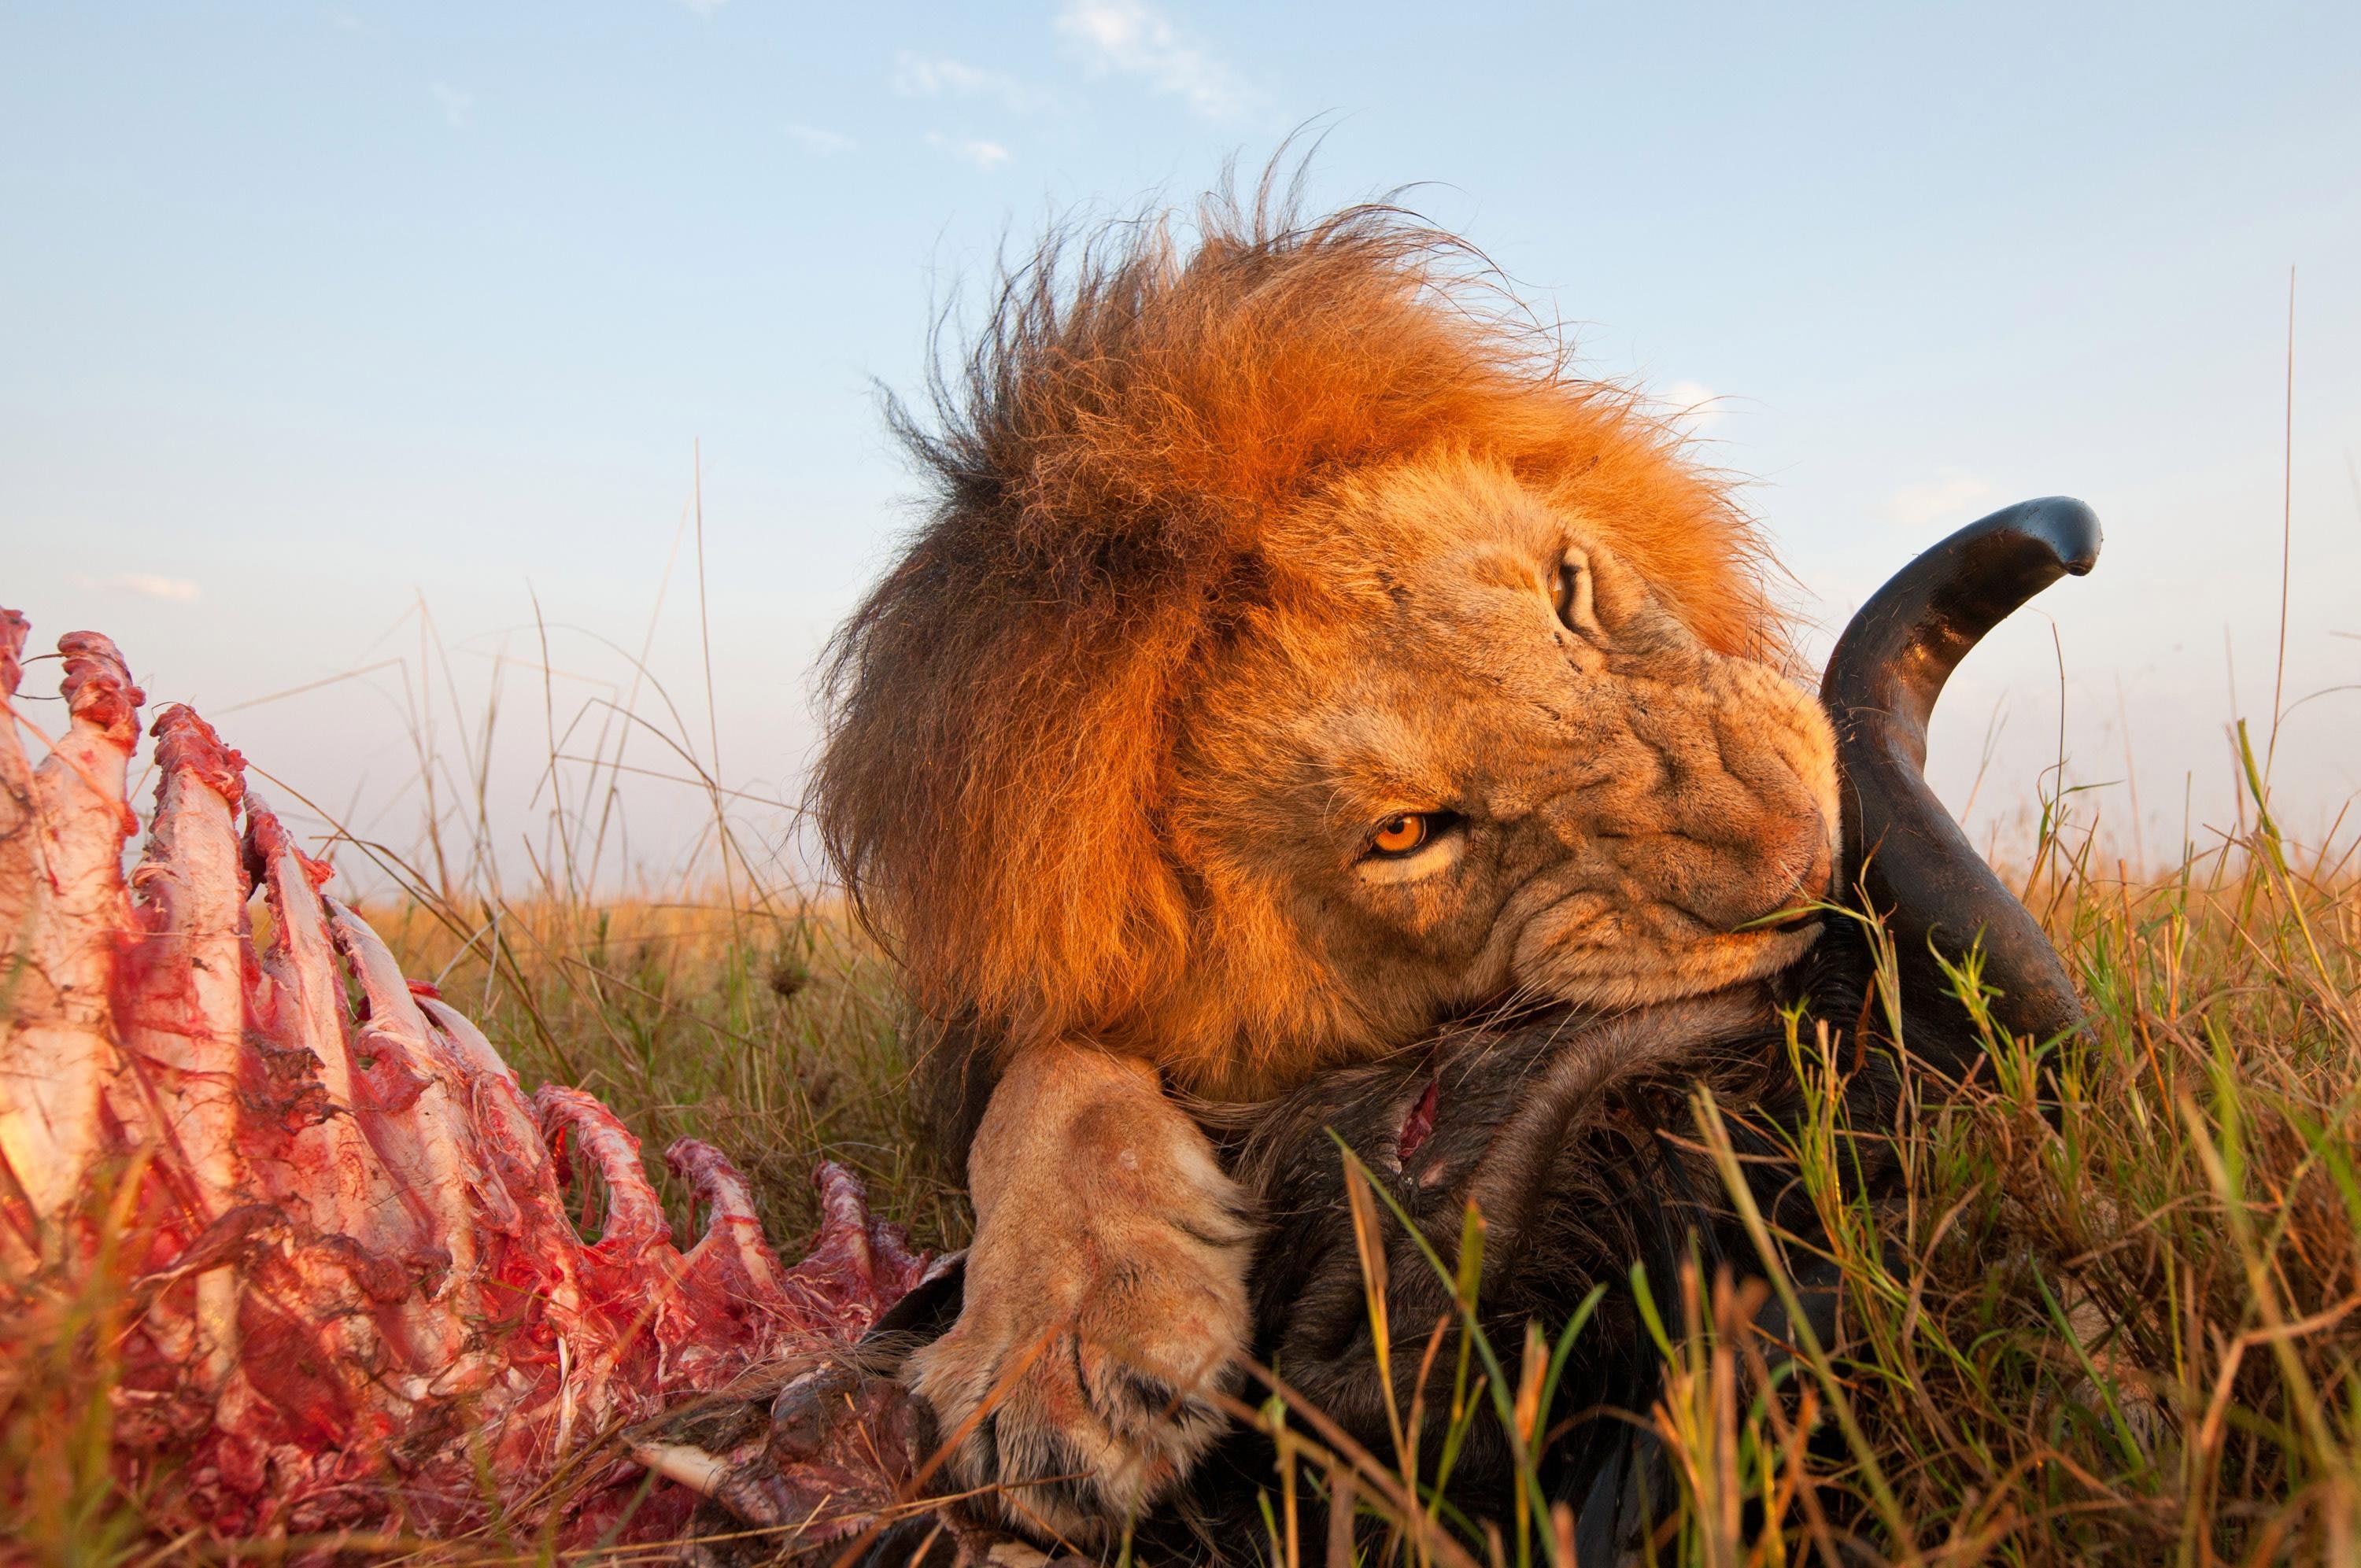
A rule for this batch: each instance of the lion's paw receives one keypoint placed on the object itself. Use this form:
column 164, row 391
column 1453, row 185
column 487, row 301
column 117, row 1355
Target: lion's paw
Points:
column 1104, row 1309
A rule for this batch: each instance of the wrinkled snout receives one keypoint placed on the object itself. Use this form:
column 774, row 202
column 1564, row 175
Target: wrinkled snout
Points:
column 1762, row 807
column 1725, row 811
column 1774, row 857
column 1694, row 802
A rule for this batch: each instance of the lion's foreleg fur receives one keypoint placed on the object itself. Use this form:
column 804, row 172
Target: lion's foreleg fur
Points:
column 1105, row 1297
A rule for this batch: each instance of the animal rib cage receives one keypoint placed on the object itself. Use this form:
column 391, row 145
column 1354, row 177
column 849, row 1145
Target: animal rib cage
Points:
column 352, row 1289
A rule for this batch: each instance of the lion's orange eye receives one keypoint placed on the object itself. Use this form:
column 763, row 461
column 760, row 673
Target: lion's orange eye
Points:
column 1400, row 835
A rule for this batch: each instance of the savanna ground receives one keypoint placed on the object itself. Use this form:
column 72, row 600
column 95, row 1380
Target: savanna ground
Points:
column 2116, row 1316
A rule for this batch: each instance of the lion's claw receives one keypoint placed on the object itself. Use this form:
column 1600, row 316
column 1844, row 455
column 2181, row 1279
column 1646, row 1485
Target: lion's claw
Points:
column 1105, row 1302
column 1065, row 1433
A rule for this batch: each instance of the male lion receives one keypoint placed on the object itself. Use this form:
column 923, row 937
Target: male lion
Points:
column 1296, row 655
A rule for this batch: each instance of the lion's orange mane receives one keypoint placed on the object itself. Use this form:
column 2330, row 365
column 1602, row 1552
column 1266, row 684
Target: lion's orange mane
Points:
column 1106, row 471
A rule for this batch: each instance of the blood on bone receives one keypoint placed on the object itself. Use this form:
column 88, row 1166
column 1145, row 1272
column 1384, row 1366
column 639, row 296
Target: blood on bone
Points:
column 364, row 1296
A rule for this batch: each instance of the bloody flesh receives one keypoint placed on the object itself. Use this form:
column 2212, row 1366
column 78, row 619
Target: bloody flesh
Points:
column 358, row 1296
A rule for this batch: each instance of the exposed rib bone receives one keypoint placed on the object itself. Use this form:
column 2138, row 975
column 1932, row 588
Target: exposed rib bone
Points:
column 424, row 1139
column 20, row 880
column 19, row 841
column 732, row 1227
column 60, row 1049
column 511, row 1136
column 302, row 1006
column 185, row 1001
column 635, row 1219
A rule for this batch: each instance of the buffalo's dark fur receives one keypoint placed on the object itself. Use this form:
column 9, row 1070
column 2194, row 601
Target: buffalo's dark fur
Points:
column 1579, row 1142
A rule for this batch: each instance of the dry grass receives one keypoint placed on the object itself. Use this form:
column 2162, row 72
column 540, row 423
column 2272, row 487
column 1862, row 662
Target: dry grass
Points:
column 765, row 1027
column 2113, row 1317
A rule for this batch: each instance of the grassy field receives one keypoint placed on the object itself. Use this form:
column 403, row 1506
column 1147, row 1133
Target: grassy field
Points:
column 2116, row 1318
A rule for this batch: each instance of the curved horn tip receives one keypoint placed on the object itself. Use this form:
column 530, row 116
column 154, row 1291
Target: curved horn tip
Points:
column 2068, row 527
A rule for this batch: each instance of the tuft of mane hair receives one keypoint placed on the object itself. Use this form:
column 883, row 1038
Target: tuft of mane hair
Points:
column 1129, row 460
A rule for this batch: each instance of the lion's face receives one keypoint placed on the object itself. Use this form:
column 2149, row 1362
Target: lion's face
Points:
column 1495, row 763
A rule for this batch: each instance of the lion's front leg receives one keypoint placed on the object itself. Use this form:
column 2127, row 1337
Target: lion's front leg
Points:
column 1105, row 1298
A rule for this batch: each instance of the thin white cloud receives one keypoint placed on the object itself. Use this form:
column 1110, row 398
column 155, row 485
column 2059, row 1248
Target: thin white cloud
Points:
column 457, row 105
column 145, row 584
column 822, row 143
column 1129, row 38
column 1692, row 405
column 984, row 155
column 1949, row 498
column 924, row 76
column 703, row 7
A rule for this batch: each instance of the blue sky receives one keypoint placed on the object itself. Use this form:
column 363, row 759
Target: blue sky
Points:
column 310, row 314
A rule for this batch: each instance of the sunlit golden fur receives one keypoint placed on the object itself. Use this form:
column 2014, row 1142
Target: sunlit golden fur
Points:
column 1156, row 468
column 1295, row 653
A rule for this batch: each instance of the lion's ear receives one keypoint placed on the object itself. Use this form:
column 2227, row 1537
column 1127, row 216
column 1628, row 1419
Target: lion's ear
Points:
column 1677, row 522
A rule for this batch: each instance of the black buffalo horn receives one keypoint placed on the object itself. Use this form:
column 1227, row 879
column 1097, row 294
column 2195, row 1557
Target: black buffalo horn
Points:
column 1917, row 868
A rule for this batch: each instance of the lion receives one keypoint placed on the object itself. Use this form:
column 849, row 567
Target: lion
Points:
column 1296, row 654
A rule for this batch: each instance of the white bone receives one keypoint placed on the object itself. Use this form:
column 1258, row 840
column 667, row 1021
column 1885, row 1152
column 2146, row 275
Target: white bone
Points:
column 58, row 1054
column 362, row 1198
column 730, row 1222
column 184, row 1033
column 20, row 880
column 428, row 1144
column 692, row 1467
column 307, row 1003
column 635, row 1219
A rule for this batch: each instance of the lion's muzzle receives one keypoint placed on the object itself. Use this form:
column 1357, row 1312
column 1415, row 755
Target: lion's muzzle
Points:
column 1691, row 809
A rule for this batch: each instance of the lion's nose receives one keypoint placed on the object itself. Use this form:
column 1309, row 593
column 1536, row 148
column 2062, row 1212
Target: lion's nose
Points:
column 1799, row 870
column 1819, row 877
